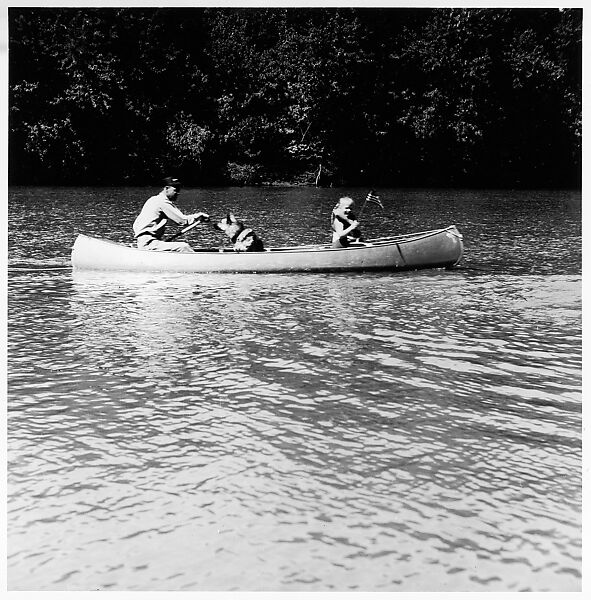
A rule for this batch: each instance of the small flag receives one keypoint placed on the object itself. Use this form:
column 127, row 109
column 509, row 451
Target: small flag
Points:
column 372, row 197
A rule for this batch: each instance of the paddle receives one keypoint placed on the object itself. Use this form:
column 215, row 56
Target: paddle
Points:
column 186, row 229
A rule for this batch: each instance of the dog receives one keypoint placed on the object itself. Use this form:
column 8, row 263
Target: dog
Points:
column 244, row 240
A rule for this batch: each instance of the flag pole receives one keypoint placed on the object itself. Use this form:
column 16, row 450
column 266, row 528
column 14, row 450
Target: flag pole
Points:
column 362, row 207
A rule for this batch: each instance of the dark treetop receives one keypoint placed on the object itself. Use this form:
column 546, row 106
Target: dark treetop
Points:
column 399, row 97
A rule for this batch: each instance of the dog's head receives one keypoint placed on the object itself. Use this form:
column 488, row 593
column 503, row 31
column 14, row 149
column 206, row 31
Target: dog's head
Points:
column 230, row 225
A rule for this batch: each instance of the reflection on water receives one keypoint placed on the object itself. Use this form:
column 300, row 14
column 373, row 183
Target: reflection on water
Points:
column 385, row 426
column 380, row 432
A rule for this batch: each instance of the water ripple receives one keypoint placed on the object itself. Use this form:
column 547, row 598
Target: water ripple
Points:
column 296, row 432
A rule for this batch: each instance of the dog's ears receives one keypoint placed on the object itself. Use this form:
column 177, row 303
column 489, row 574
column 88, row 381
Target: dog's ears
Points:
column 232, row 218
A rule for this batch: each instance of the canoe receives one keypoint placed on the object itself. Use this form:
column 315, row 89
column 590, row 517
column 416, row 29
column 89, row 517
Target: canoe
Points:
column 439, row 248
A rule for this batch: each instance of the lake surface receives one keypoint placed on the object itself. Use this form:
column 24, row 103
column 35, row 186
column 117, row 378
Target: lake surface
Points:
column 298, row 432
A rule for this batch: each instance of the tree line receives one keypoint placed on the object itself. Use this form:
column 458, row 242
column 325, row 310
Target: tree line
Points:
column 320, row 96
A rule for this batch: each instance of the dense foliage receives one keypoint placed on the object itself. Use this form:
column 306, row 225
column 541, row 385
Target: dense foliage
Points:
column 449, row 97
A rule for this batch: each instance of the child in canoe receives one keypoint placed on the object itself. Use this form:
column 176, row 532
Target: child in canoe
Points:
column 345, row 227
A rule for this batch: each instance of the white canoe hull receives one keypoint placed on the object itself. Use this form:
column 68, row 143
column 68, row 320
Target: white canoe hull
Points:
column 428, row 249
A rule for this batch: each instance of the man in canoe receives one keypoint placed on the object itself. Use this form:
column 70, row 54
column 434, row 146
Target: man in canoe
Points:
column 345, row 227
column 149, row 225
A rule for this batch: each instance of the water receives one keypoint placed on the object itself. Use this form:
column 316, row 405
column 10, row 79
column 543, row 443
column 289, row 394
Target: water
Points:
column 297, row 432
